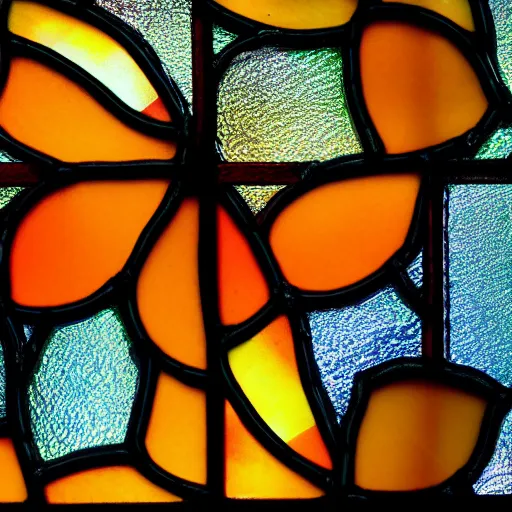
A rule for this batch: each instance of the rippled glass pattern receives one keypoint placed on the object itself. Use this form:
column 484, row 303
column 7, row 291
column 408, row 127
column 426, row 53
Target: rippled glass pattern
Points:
column 221, row 38
column 502, row 14
column 480, row 279
column 166, row 26
column 7, row 194
column 497, row 476
column 415, row 270
column 83, row 388
column 2, row 382
column 498, row 145
column 256, row 196
column 277, row 105
column 355, row 338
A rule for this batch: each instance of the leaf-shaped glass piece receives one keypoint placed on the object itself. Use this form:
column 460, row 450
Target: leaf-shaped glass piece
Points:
column 176, row 435
column 339, row 233
column 12, row 484
column 46, row 111
column 416, row 434
column 71, row 242
column 459, row 11
column 91, row 49
column 266, row 369
column 419, row 88
column 168, row 295
column 115, row 484
column 252, row 472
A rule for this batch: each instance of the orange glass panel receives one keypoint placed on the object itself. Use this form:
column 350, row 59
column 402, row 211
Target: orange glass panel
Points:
column 294, row 14
column 12, row 484
column 266, row 369
column 252, row 472
column 88, row 47
column 416, row 434
column 168, row 293
column 117, row 484
column 176, row 436
column 459, row 11
column 340, row 233
column 48, row 112
column 242, row 286
column 419, row 89
column 75, row 239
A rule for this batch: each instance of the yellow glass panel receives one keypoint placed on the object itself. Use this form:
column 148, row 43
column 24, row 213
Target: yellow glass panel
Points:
column 419, row 89
column 266, row 369
column 60, row 119
column 168, row 294
column 88, row 47
column 117, row 484
column 337, row 234
column 12, row 484
column 75, row 239
column 294, row 14
column 242, row 286
column 459, row 11
column 252, row 472
column 415, row 435
column 176, row 436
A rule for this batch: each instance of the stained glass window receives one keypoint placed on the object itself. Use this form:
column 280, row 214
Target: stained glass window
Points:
column 255, row 250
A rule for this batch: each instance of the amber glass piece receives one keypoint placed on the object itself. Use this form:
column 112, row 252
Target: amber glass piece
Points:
column 418, row 87
column 12, row 484
column 252, row 472
column 44, row 110
column 294, row 14
column 168, row 294
column 459, row 11
column 266, row 369
column 242, row 286
column 416, row 434
column 75, row 239
column 176, row 436
column 337, row 234
column 91, row 49
column 116, row 484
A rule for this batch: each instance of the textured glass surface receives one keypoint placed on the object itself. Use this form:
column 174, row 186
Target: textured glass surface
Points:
column 28, row 330
column 6, row 157
column 355, row 338
column 7, row 194
column 83, row 388
column 276, row 105
column 415, row 270
column 166, row 25
column 497, row 476
column 257, row 196
column 2, row 382
column 221, row 38
column 502, row 14
column 480, row 278
column 498, row 145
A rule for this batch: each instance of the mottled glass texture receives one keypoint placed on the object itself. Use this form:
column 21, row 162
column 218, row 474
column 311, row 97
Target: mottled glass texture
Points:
column 502, row 14
column 280, row 105
column 83, row 387
column 7, row 194
column 479, row 284
column 256, row 196
column 415, row 270
column 221, row 38
column 352, row 339
column 498, row 145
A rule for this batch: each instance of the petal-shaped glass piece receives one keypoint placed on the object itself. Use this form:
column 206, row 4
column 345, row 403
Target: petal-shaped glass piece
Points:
column 419, row 88
column 12, row 484
column 176, row 435
column 252, row 472
column 75, row 239
column 50, row 113
column 266, row 369
column 242, row 286
column 116, row 484
column 339, row 233
column 91, row 49
column 459, row 11
column 416, row 434
column 168, row 295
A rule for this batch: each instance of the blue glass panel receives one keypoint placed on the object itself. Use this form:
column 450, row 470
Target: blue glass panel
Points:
column 480, row 278
column 358, row 337
column 415, row 270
